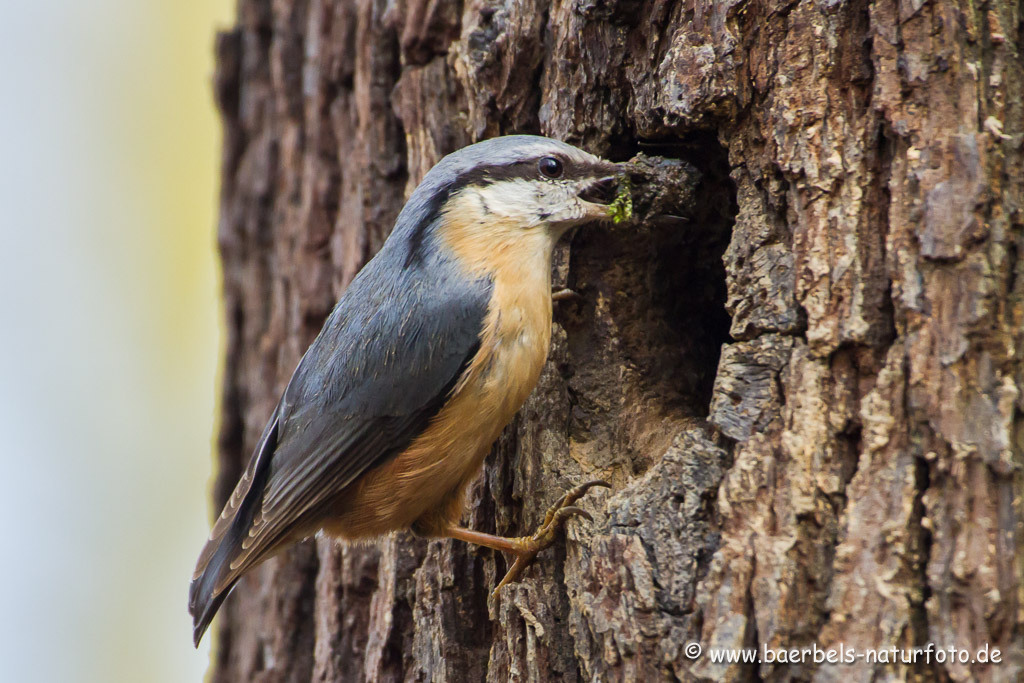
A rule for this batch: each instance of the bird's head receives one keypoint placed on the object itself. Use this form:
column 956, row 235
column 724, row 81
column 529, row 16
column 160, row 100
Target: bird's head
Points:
column 534, row 182
column 518, row 192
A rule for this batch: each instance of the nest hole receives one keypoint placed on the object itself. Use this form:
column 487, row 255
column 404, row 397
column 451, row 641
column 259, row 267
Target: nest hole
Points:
column 653, row 321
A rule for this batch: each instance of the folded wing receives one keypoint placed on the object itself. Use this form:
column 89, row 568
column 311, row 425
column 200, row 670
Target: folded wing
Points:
column 382, row 367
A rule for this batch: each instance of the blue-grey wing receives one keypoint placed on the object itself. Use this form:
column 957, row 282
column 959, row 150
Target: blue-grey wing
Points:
column 382, row 367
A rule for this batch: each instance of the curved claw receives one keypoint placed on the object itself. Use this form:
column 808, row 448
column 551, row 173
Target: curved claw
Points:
column 513, row 573
column 586, row 486
column 571, row 511
column 544, row 537
column 571, row 496
column 577, row 492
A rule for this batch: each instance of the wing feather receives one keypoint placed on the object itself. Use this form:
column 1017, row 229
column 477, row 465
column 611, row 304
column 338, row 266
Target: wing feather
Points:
column 382, row 367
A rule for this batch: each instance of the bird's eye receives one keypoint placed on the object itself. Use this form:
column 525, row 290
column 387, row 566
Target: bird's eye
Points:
column 550, row 167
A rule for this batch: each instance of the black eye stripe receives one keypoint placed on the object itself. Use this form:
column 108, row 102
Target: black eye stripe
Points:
column 484, row 175
column 527, row 169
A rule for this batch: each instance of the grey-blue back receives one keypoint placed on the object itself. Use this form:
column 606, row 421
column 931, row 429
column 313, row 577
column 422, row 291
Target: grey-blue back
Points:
column 383, row 365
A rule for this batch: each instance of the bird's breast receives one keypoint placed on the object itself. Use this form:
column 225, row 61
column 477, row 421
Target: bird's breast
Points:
column 423, row 484
column 513, row 348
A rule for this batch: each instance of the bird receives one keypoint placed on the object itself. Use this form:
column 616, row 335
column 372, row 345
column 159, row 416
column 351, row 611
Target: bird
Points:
column 428, row 354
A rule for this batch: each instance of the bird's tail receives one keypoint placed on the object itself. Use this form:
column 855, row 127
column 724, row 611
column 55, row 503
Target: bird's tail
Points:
column 214, row 577
column 204, row 601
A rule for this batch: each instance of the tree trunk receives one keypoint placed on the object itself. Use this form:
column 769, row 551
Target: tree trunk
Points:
column 808, row 397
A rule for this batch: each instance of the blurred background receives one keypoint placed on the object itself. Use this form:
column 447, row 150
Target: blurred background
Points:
column 109, row 333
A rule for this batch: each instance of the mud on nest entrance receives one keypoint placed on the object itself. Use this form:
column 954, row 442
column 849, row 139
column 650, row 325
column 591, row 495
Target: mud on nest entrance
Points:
column 647, row 333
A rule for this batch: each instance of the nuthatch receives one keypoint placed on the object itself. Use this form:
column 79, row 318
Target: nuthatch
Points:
column 434, row 346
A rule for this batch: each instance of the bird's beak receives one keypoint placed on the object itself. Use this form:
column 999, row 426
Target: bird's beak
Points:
column 601, row 191
column 610, row 195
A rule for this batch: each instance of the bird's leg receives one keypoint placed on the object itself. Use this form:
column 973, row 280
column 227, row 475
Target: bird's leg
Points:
column 526, row 548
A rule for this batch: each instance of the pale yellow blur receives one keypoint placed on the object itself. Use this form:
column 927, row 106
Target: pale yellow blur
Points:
column 110, row 335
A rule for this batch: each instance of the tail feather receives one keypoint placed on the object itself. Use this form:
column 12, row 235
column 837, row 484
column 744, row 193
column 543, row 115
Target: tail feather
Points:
column 214, row 577
column 203, row 605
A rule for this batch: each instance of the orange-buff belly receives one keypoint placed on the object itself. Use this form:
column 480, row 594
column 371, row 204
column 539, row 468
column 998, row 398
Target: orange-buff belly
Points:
column 423, row 487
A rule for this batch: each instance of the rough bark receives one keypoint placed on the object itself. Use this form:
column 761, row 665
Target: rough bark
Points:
column 808, row 398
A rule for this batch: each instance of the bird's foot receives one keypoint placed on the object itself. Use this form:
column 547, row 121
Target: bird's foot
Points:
column 526, row 548
column 565, row 294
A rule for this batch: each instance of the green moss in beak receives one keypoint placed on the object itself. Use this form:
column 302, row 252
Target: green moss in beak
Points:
column 621, row 208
